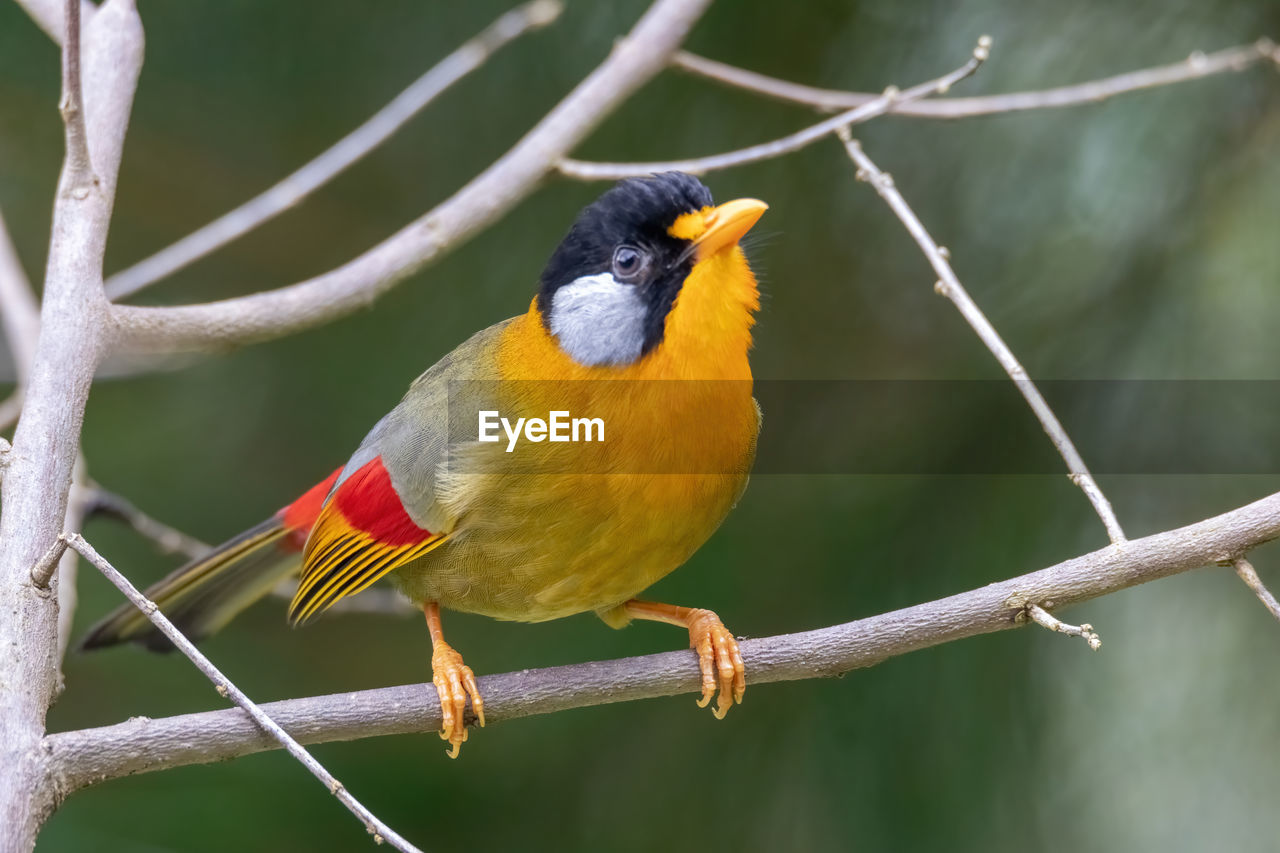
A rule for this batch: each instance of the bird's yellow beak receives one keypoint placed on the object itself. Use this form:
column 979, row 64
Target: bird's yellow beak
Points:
column 724, row 225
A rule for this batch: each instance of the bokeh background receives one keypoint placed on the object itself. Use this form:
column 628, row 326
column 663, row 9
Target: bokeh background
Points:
column 1131, row 239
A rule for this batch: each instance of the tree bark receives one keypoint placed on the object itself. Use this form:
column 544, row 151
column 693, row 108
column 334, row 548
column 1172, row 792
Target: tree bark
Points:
column 45, row 446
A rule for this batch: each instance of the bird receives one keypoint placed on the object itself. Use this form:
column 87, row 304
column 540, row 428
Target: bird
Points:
column 642, row 321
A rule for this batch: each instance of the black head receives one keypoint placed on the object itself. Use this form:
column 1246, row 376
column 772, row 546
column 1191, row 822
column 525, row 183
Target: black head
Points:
column 619, row 269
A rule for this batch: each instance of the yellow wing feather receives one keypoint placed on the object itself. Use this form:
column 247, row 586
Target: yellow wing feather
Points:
column 340, row 560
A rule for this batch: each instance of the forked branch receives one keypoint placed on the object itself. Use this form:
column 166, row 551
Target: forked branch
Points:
column 1195, row 66
column 637, row 58
column 100, row 72
column 888, row 101
column 337, row 159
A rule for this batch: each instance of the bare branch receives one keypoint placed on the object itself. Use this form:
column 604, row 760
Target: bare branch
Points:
column 949, row 286
column 634, row 60
column 379, row 830
column 1045, row 619
column 81, row 758
column 1250, row 576
column 345, row 153
column 583, row 170
column 22, row 322
column 78, row 169
column 1197, row 65
column 170, row 540
column 39, row 475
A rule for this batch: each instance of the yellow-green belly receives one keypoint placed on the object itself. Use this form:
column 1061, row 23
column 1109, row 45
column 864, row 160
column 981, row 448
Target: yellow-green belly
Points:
column 538, row 546
column 548, row 546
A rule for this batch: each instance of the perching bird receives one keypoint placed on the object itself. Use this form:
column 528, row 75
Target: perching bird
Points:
column 649, row 284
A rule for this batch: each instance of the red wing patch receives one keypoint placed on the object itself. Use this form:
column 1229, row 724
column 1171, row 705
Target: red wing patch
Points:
column 300, row 516
column 360, row 535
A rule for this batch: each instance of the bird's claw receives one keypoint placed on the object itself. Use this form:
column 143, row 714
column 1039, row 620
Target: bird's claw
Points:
column 454, row 682
column 720, row 662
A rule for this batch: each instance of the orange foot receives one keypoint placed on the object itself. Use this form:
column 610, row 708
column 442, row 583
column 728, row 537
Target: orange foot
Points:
column 718, row 654
column 454, row 682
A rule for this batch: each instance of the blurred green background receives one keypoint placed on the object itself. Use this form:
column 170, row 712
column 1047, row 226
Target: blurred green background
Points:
column 1131, row 239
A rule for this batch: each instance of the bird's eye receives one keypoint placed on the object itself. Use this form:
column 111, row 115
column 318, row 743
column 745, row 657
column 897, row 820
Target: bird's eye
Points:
column 629, row 262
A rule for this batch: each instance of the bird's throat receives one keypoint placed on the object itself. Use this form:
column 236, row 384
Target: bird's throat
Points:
column 707, row 333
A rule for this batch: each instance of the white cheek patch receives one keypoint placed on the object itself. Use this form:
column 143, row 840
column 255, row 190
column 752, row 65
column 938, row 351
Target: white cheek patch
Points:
column 598, row 321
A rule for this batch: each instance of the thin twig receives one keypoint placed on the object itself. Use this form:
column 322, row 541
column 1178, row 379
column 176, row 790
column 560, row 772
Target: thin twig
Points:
column 634, row 60
column 42, row 571
column 345, row 153
column 1249, row 575
column 583, row 170
column 379, row 830
column 81, row 758
column 169, row 540
column 1045, row 619
column 949, row 286
column 1197, row 65
column 78, row 170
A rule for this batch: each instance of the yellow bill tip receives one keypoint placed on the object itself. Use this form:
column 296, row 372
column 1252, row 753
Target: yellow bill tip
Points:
column 726, row 224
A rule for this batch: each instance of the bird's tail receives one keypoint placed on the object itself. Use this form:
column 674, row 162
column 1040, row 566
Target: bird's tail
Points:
column 207, row 593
